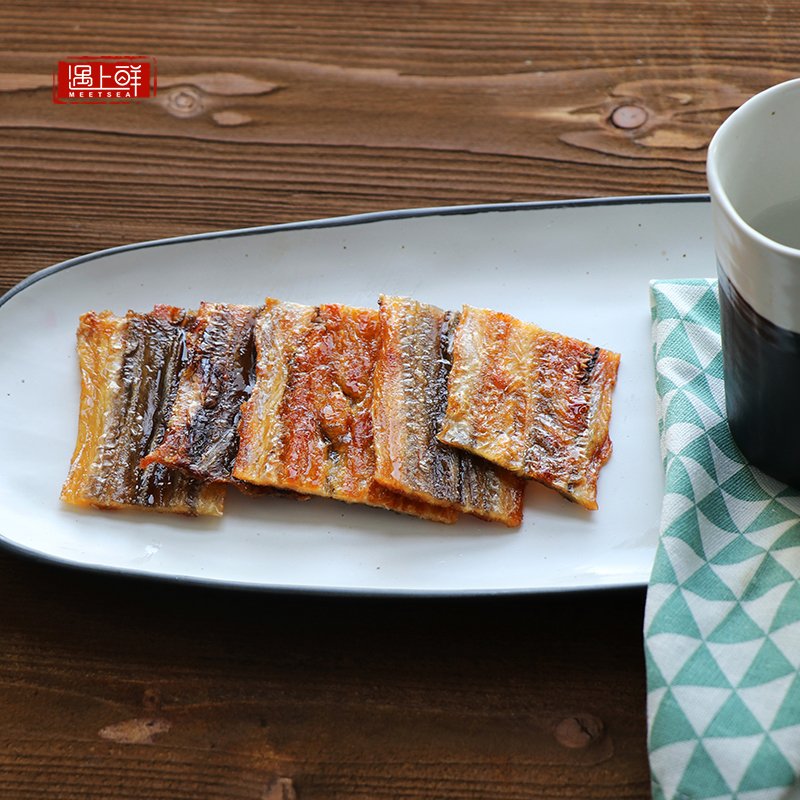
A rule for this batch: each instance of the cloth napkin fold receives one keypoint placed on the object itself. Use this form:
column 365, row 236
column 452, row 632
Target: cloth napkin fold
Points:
column 722, row 620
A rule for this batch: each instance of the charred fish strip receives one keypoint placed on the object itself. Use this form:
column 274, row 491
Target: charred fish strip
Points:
column 410, row 399
column 308, row 423
column 129, row 374
column 535, row 402
column 202, row 434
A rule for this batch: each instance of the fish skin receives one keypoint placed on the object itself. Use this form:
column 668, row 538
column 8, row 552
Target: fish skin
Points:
column 533, row 401
column 307, row 426
column 129, row 369
column 202, row 434
column 410, row 399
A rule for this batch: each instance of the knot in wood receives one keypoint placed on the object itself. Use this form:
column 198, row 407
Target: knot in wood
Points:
column 628, row 117
column 579, row 731
column 185, row 101
column 151, row 700
column 280, row 789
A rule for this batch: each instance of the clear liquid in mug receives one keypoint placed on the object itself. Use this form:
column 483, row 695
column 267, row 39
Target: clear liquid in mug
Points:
column 780, row 222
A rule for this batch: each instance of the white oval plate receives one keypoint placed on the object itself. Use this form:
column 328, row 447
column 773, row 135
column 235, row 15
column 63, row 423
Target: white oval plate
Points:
column 581, row 268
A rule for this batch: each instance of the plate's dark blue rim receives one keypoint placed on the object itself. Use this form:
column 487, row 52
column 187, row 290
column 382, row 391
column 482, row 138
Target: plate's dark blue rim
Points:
column 358, row 219
column 334, row 222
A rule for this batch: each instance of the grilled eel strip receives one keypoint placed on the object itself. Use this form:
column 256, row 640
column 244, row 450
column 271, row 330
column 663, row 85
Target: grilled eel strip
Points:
column 410, row 399
column 535, row 402
column 129, row 374
column 308, row 423
column 202, row 437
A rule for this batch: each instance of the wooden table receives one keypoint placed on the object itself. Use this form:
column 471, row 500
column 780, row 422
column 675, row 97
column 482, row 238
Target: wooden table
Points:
column 268, row 113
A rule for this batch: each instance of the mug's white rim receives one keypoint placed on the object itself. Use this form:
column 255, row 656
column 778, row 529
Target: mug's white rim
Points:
column 719, row 195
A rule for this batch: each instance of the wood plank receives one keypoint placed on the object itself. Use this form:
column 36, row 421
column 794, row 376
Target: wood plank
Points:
column 154, row 690
column 127, row 174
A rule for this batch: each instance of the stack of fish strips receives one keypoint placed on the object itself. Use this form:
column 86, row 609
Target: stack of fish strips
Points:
column 410, row 408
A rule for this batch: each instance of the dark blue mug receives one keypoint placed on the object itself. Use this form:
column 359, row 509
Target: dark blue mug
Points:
column 753, row 173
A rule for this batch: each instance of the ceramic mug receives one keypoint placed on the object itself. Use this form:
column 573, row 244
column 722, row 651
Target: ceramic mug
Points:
column 754, row 179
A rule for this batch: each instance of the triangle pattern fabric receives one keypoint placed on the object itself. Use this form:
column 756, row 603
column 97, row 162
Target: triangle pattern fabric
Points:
column 700, row 669
column 789, row 557
column 705, row 584
column 767, row 768
column 722, row 619
column 670, row 651
column 707, row 611
column 768, row 665
column 789, row 610
column 737, row 577
column 703, row 775
column 733, row 769
column 786, row 639
column 787, row 740
column 764, row 700
column 777, row 793
column 764, row 605
column 700, row 704
column 736, row 658
column 789, row 712
column 670, row 763
column 734, row 719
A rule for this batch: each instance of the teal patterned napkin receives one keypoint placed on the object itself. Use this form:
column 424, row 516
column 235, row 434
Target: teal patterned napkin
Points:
column 722, row 621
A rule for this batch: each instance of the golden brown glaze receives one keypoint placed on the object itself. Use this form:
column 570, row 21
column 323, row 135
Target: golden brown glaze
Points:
column 410, row 399
column 535, row 402
column 202, row 437
column 129, row 367
column 308, row 423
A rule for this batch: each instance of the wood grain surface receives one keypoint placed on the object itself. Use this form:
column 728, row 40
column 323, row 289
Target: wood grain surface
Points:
column 273, row 112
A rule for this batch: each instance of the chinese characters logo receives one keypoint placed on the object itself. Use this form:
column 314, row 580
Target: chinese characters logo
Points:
column 104, row 79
